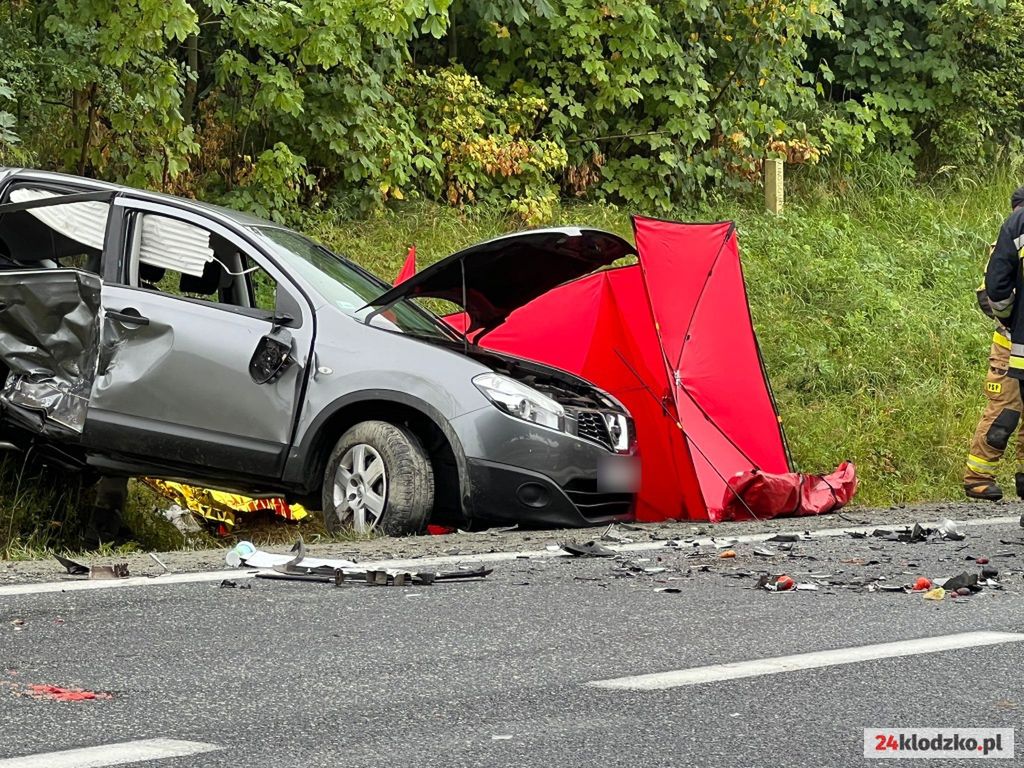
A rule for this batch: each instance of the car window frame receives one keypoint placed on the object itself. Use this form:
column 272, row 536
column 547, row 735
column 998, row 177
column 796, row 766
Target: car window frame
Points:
column 68, row 187
column 129, row 207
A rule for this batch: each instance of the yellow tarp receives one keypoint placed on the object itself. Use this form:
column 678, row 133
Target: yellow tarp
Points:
column 221, row 506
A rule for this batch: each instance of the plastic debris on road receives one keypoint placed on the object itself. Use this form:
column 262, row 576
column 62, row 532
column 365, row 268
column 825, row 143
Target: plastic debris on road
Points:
column 244, row 554
column 961, row 580
column 935, row 594
column 611, row 533
column 115, row 571
column 950, row 530
column 777, row 583
column 296, row 566
column 590, row 549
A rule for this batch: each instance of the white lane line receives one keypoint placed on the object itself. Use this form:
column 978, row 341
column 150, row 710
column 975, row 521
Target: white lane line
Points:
column 132, row 581
column 446, row 560
column 815, row 660
column 111, row 754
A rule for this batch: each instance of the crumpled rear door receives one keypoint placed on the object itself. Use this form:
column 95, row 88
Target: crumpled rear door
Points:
column 49, row 339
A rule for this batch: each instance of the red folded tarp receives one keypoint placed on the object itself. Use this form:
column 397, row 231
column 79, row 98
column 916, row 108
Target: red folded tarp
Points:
column 762, row 495
column 672, row 338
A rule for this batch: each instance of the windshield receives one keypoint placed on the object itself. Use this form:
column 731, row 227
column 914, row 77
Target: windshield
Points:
column 348, row 288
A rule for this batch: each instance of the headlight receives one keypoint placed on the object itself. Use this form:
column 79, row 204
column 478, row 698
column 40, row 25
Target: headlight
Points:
column 521, row 401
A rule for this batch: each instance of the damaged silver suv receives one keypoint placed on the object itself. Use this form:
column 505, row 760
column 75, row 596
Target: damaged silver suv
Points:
column 142, row 334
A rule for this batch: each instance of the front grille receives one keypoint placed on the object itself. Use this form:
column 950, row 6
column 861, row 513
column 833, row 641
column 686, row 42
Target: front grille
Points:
column 590, row 425
column 593, row 503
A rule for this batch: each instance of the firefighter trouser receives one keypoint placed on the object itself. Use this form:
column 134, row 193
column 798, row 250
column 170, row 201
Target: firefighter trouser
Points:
column 1000, row 419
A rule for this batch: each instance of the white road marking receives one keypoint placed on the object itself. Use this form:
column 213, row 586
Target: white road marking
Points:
column 111, row 754
column 815, row 660
column 75, row 585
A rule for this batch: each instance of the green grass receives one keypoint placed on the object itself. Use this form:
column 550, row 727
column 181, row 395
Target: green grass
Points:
column 862, row 295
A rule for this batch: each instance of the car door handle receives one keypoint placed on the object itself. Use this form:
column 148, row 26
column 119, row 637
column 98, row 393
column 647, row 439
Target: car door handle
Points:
column 128, row 315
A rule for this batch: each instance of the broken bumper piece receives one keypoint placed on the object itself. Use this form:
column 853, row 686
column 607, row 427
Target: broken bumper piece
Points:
column 387, row 577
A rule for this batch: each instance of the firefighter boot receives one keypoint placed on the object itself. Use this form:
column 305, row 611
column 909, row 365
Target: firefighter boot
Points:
column 988, row 490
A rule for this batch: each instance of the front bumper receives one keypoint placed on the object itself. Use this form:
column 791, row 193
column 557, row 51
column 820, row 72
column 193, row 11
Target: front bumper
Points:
column 504, row 494
column 522, row 473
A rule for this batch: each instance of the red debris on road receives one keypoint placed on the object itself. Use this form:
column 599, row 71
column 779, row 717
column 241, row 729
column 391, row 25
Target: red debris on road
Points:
column 66, row 694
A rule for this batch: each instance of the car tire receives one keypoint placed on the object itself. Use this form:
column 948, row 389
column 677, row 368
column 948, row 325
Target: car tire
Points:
column 378, row 478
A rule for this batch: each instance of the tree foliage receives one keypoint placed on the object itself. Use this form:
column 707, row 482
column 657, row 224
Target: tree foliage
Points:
column 271, row 104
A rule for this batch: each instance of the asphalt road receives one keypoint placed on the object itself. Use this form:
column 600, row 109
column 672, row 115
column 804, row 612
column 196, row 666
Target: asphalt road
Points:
column 496, row 672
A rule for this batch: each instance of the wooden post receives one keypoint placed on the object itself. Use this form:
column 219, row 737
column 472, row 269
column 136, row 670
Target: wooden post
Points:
column 774, row 193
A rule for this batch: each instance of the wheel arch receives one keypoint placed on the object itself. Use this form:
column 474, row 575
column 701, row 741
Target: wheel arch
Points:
column 307, row 461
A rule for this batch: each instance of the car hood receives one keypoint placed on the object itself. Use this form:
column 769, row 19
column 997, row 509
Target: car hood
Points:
column 498, row 276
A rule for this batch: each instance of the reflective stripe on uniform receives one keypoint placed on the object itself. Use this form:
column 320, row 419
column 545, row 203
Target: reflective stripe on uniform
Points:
column 1017, row 362
column 1002, row 304
column 1001, row 340
column 981, row 466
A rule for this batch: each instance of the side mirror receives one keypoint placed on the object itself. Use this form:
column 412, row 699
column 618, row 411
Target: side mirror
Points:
column 272, row 357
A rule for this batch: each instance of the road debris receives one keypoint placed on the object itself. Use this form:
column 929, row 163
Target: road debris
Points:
column 375, row 577
column 115, row 571
column 923, row 584
column 232, row 584
column 73, row 568
column 611, row 533
column 789, row 538
column 961, row 580
column 950, row 530
column 590, row 549
column 778, row 583
column 935, row 594
column 246, row 555
column 404, row 578
column 504, row 529
column 296, row 566
column 727, row 554
column 56, row 693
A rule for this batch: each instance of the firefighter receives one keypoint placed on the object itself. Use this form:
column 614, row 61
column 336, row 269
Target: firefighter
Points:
column 1006, row 363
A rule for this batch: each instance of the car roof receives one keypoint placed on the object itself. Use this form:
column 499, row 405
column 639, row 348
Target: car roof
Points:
column 237, row 217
